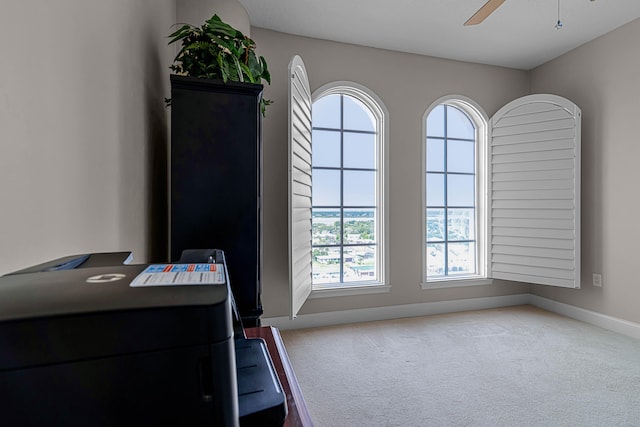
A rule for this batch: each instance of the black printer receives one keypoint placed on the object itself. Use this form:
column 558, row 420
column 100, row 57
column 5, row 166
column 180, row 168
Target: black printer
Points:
column 92, row 340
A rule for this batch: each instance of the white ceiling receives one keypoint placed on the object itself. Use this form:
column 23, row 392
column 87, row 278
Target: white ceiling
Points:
column 520, row 34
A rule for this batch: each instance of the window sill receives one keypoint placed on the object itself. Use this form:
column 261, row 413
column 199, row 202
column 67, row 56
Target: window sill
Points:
column 342, row 290
column 456, row 283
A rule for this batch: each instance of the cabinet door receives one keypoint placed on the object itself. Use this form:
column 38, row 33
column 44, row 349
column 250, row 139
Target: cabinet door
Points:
column 216, row 159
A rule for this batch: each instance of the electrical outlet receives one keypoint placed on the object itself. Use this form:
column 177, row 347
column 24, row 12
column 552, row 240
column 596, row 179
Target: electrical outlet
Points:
column 597, row 280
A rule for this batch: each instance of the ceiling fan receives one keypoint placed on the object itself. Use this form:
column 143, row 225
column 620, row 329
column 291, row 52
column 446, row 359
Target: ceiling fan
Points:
column 487, row 9
column 490, row 6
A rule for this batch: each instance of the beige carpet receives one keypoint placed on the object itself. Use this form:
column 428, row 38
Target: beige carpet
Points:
column 518, row 366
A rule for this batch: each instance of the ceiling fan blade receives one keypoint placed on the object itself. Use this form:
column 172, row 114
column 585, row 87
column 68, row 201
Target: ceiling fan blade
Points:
column 482, row 13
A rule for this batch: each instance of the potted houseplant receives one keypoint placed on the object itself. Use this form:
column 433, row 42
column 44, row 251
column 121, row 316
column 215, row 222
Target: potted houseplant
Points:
column 216, row 50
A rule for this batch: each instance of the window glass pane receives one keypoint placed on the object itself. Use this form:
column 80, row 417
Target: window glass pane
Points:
column 345, row 179
column 359, row 226
column 325, row 225
column 325, row 265
column 460, row 190
column 359, row 188
column 451, row 170
column 326, row 112
column 360, row 263
column 461, row 224
column 435, row 259
column 435, row 189
column 435, row 155
column 357, row 116
column 359, row 150
column 460, row 156
column 326, row 148
column 458, row 124
column 435, row 122
column 326, row 188
column 435, row 225
column 462, row 258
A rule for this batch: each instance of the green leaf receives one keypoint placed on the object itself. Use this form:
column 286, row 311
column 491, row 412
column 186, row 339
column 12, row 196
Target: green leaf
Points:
column 247, row 72
column 180, row 33
column 227, row 44
column 238, row 69
column 265, row 70
column 263, row 106
column 215, row 25
column 224, row 67
column 255, row 67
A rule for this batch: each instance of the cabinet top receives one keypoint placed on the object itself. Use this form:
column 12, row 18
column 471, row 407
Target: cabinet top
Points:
column 214, row 85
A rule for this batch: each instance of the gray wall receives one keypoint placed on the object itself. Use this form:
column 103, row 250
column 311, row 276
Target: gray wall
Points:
column 196, row 12
column 602, row 78
column 407, row 84
column 83, row 128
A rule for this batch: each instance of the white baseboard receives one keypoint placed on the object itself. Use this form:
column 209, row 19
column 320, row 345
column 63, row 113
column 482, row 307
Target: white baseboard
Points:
column 394, row 312
column 611, row 323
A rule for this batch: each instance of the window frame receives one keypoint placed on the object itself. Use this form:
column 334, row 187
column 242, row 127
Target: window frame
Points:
column 481, row 122
column 381, row 116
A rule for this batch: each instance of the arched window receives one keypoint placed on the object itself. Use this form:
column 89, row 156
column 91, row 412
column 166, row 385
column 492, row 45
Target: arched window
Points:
column 454, row 191
column 348, row 187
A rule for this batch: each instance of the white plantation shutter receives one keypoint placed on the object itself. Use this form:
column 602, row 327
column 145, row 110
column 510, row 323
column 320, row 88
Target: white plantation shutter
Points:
column 300, row 274
column 535, row 191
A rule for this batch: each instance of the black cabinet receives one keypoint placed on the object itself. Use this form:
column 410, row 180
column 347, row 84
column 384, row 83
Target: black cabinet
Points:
column 215, row 179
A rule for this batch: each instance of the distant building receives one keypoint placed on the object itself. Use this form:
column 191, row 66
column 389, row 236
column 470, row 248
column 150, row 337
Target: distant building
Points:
column 364, row 270
column 333, row 259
